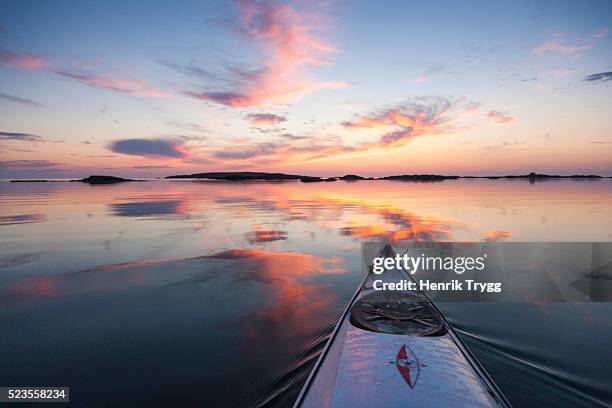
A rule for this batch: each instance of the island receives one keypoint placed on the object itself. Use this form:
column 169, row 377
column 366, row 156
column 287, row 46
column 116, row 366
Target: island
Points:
column 241, row 175
column 104, row 180
column 420, row 177
column 537, row 176
column 263, row 176
column 353, row 177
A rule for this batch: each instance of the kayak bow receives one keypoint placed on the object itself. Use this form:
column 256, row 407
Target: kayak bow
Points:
column 392, row 349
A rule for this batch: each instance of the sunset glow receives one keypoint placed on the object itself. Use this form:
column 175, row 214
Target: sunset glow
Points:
column 309, row 88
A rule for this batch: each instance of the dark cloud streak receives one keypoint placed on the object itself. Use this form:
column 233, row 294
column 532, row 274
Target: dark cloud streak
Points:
column 264, row 119
column 17, row 99
column 27, row 137
column 598, row 77
column 148, row 148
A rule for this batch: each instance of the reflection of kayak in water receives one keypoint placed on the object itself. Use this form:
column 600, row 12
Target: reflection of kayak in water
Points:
column 395, row 349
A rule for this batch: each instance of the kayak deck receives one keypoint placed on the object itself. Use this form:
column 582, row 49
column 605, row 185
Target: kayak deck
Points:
column 363, row 368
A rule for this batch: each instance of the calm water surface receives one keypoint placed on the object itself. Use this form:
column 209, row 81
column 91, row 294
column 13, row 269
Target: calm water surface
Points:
column 183, row 293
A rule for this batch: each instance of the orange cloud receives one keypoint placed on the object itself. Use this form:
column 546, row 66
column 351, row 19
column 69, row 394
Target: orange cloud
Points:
column 406, row 121
column 399, row 125
column 287, row 44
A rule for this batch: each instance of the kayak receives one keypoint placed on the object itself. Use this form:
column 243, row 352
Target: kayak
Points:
column 396, row 349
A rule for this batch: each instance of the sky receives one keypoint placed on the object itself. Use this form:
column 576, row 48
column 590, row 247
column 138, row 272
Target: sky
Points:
column 151, row 88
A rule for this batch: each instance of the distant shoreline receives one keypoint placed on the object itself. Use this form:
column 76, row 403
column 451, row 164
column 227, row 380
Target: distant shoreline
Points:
column 263, row 176
column 242, row 176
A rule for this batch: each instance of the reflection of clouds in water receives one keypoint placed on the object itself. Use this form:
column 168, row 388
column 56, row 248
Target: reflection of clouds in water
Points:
column 245, row 265
column 146, row 208
column 393, row 224
column 497, row 235
column 20, row 259
column 297, row 309
column 401, row 225
column 21, row 219
column 261, row 236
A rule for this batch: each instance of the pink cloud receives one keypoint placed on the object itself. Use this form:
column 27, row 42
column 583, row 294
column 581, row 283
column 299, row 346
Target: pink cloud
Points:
column 397, row 126
column 555, row 45
column 22, row 60
column 287, row 46
column 35, row 62
column 406, row 121
column 500, row 117
column 130, row 87
column 420, row 79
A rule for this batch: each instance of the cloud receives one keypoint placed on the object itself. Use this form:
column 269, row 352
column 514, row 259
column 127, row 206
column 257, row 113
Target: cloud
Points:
column 191, row 70
column 22, row 60
column 297, row 150
column 28, row 164
column 149, row 148
column 500, row 117
column 260, row 119
column 32, row 169
column 396, row 126
column 555, row 45
column 406, row 121
column 223, row 98
column 35, row 62
column 393, row 127
column 472, row 106
column 260, row 149
column 420, row 79
column 16, row 99
column 428, row 73
column 287, row 47
column 598, row 77
column 601, row 33
column 505, row 144
column 190, row 126
column 28, row 137
column 151, row 166
column 118, row 85
column 290, row 136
